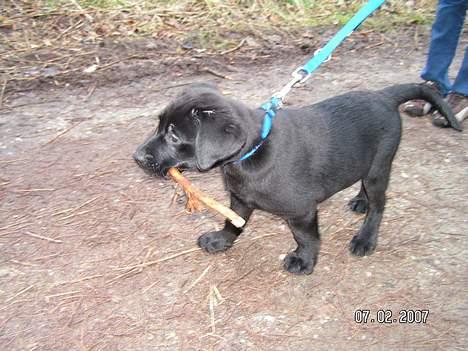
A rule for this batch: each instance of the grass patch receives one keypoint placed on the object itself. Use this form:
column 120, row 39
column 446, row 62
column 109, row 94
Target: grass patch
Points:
column 151, row 16
column 45, row 36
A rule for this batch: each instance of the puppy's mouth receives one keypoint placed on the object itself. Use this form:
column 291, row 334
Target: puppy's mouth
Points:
column 159, row 168
column 151, row 168
column 161, row 171
column 180, row 167
column 164, row 173
column 151, row 171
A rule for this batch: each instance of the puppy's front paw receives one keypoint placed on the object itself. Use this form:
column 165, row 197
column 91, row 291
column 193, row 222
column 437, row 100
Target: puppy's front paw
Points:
column 216, row 241
column 358, row 204
column 296, row 264
column 362, row 247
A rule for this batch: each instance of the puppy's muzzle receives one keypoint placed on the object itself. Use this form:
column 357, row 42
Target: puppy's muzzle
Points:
column 146, row 161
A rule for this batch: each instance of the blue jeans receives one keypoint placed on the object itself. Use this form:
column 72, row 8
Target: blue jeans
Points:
column 446, row 31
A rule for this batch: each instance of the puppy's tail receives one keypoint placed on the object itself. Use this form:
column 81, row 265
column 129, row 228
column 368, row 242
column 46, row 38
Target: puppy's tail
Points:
column 405, row 92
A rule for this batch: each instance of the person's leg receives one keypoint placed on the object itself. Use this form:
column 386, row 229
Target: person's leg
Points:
column 457, row 99
column 445, row 34
column 460, row 86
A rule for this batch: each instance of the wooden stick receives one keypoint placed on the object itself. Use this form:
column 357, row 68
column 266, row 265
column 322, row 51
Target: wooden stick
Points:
column 195, row 197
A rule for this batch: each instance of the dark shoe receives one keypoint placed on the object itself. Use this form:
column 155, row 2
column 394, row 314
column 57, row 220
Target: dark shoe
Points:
column 418, row 108
column 459, row 105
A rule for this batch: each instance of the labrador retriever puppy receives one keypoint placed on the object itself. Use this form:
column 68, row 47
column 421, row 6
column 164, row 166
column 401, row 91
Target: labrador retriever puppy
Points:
column 310, row 154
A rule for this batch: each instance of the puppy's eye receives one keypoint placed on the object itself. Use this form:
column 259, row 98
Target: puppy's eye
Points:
column 195, row 113
column 174, row 138
column 230, row 128
column 171, row 134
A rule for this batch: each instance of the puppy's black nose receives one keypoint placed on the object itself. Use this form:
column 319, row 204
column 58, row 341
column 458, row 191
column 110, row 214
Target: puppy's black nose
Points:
column 144, row 158
column 139, row 156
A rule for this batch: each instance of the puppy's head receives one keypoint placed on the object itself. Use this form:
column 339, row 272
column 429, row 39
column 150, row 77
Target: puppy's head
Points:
column 198, row 130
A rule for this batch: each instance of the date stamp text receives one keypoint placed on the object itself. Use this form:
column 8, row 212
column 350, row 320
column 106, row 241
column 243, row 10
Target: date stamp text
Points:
column 416, row 316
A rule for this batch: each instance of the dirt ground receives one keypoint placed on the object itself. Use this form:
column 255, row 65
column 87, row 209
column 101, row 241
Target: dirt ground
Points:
column 96, row 255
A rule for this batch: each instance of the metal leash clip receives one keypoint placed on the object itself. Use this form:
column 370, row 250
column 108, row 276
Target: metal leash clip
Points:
column 301, row 74
column 298, row 77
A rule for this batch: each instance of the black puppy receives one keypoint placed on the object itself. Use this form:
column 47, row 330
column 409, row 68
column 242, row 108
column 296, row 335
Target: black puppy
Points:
column 311, row 153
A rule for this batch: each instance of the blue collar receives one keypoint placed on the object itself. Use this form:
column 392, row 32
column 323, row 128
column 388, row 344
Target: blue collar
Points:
column 271, row 108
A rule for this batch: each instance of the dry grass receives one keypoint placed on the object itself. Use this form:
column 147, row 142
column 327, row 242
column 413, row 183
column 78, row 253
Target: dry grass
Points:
column 50, row 38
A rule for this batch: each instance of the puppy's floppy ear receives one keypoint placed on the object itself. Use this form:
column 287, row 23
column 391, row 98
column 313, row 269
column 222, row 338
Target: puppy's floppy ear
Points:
column 217, row 139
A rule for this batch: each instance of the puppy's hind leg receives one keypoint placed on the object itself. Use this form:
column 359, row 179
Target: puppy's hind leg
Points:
column 305, row 231
column 223, row 239
column 360, row 202
column 375, row 185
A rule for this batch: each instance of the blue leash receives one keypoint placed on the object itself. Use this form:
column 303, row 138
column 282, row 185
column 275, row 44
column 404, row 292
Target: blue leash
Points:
column 303, row 73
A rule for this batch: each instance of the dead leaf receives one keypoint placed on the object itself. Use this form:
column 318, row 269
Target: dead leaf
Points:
column 90, row 69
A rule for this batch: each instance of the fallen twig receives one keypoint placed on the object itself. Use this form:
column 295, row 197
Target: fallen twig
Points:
column 343, row 227
column 43, row 237
column 19, row 293
column 12, row 161
column 107, row 65
column 38, row 190
column 196, row 281
column 264, row 236
column 78, row 6
column 62, row 133
column 75, row 214
column 234, row 48
column 125, row 274
column 172, row 86
column 150, row 263
column 27, row 264
column 32, row 103
column 231, row 283
column 76, row 208
column 72, row 316
column 48, row 297
column 2, row 92
column 216, row 74
column 211, row 307
column 150, row 286
column 79, row 280
column 375, row 45
column 219, row 298
column 73, row 26
column 90, row 91
column 175, row 195
column 21, row 222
